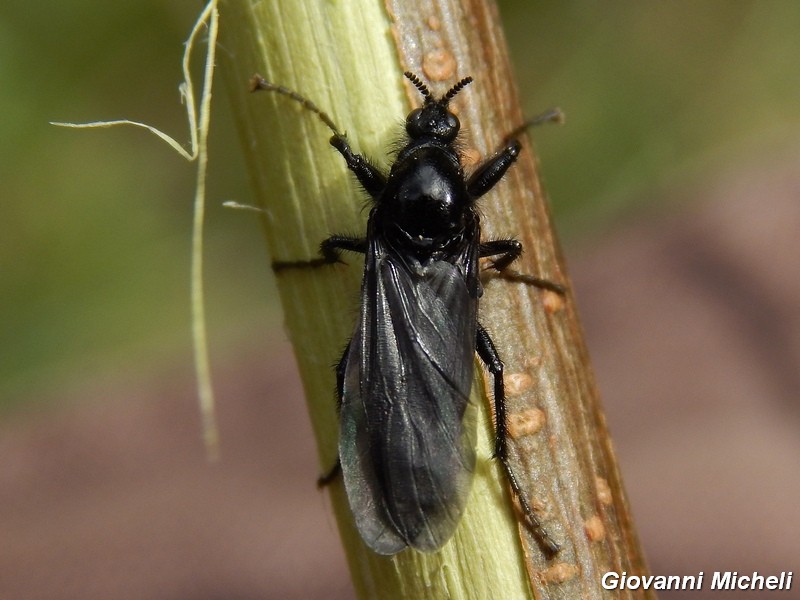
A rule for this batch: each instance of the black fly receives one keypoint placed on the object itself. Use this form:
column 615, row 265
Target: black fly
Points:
column 407, row 425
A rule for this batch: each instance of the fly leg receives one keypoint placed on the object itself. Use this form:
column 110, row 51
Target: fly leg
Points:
column 488, row 354
column 485, row 177
column 373, row 182
column 368, row 175
column 327, row 478
column 330, row 252
column 554, row 115
column 508, row 251
column 492, row 170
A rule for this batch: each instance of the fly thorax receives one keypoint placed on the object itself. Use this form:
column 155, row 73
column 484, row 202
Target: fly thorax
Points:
column 427, row 200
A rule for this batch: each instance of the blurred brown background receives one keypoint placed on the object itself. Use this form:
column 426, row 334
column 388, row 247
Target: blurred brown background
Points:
column 676, row 188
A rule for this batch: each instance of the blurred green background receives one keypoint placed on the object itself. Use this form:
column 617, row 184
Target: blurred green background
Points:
column 94, row 250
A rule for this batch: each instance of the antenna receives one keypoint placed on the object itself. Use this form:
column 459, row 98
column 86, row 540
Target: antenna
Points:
column 455, row 89
column 423, row 89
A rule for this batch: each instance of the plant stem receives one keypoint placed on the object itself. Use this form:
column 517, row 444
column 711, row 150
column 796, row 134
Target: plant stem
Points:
column 348, row 58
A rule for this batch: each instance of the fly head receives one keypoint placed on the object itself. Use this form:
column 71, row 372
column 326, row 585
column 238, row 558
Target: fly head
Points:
column 434, row 120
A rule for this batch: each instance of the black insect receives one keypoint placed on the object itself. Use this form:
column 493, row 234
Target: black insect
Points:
column 407, row 425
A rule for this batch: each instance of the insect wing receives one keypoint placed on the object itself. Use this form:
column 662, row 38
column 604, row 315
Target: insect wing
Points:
column 407, row 439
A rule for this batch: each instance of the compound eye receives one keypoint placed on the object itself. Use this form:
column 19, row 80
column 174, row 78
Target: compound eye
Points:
column 413, row 123
column 453, row 125
column 453, row 122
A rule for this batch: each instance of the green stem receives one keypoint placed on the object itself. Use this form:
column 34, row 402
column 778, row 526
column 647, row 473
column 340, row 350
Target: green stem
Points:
column 348, row 58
